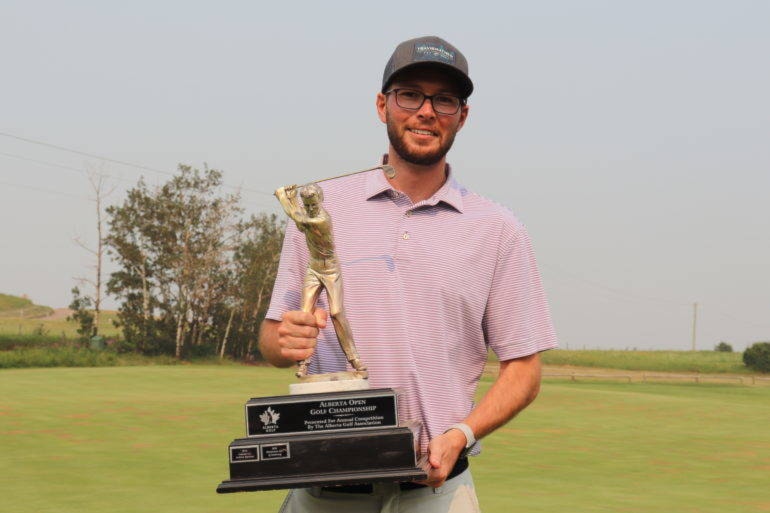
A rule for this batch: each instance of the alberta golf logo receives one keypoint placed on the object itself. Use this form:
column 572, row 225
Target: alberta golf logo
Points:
column 269, row 420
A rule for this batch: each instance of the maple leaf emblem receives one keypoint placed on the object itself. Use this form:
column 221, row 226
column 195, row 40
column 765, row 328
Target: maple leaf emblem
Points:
column 269, row 417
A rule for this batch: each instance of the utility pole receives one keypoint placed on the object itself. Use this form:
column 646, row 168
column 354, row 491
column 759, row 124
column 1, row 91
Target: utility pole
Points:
column 694, row 322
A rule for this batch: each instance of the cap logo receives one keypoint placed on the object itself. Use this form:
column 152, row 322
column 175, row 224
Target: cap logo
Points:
column 433, row 52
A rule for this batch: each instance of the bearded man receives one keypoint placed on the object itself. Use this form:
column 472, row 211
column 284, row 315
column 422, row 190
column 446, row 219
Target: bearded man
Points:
column 435, row 276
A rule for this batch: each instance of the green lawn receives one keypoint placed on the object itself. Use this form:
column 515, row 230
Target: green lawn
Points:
column 129, row 439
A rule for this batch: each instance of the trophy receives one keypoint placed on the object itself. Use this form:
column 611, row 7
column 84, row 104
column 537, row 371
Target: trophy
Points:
column 331, row 429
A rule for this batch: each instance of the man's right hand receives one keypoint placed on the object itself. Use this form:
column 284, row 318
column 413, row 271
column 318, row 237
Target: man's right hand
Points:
column 297, row 333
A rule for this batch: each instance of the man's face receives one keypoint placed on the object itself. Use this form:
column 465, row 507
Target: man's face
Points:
column 421, row 136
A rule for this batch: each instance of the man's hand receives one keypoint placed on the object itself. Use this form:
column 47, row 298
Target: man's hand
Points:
column 297, row 333
column 443, row 452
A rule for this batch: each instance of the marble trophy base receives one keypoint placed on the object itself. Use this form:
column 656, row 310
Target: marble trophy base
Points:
column 326, row 432
column 331, row 382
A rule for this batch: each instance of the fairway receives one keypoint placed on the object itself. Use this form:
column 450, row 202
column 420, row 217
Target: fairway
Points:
column 129, row 439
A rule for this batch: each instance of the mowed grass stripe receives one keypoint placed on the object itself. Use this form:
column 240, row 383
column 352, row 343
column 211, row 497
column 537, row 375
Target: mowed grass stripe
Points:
column 125, row 439
column 637, row 448
column 136, row 438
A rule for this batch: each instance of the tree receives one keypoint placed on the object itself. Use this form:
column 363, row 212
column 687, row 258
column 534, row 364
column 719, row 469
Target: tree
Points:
column 187, row 266
column 757, row 356
column 97, row 180
column 130, row 243
column 723, row 347
column 82, row 314
column 255, row 266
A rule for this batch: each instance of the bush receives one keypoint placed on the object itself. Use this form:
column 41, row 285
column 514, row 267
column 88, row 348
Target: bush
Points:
column 723, row 347
column 10, row 341
column 757, row 357
column 83, row 315
column 201, row 351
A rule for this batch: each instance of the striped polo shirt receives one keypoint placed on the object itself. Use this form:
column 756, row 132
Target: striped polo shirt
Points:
column 428, row 288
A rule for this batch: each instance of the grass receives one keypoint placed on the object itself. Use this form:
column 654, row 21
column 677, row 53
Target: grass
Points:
column 54, row 327
column 44, row 342
column 73, row 356
column 128, row 439
column 633, row 448
column 14, row 306
column 660, row 361
column 57, row 357
column 9, row 302
column 28, row 340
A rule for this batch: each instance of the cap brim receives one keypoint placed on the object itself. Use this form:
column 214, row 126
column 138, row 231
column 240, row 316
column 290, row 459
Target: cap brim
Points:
column 463, row 82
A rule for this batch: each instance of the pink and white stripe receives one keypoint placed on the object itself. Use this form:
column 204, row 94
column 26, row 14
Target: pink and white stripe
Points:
column 428, row 288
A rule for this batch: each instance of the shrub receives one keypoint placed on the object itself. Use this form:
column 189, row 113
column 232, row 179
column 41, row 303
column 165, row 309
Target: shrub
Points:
column 40, row 330
column 82, row 314
column 723, row 347
column 10, row 341
column 757, row 357
column 201, row 351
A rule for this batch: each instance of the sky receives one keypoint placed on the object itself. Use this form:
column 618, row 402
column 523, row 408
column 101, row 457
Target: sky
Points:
column 631, row 138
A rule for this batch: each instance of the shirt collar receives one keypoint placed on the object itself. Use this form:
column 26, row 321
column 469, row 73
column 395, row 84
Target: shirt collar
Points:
column 450, row 193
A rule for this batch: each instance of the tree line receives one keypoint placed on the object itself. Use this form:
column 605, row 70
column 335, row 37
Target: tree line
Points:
column 194, row 277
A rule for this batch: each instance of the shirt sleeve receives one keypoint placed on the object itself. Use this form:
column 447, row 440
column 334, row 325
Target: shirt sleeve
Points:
column 517, row 320
column 287, row 291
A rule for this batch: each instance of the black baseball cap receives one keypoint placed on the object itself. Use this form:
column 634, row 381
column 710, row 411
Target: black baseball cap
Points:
column 428, row 51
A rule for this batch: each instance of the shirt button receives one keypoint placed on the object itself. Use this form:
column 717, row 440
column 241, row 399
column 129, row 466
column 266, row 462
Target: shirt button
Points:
column 405, row 236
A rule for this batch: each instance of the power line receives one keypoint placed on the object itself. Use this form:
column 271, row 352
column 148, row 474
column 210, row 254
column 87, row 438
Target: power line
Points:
column 62, row 166
column 618, row 292
column 56, row 165
column 742, row 322
column 702, row 316
column 85, row 154
column 41, row 189
column 114, row 161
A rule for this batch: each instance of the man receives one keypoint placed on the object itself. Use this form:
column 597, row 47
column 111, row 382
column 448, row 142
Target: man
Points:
column 434, row 277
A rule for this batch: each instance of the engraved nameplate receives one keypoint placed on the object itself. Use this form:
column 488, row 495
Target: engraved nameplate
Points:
column 336, row 411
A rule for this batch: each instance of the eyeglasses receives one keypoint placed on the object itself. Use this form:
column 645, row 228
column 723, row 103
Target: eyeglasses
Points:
column 411, row 99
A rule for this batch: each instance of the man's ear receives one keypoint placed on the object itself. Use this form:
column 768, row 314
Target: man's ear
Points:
column 382, row 108
column 463, row 116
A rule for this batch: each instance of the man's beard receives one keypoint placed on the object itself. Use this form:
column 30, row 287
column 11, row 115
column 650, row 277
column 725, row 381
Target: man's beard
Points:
column 420, row 159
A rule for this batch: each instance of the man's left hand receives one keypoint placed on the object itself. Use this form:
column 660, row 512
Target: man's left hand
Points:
column 443, row 452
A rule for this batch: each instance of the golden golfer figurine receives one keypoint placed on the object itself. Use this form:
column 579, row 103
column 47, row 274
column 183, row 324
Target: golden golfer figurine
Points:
column 323, row 270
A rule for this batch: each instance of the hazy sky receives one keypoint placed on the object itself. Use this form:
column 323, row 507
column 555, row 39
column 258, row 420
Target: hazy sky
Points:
column 632, row 138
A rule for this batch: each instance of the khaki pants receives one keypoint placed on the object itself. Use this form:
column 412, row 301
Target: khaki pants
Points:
column 458, row 495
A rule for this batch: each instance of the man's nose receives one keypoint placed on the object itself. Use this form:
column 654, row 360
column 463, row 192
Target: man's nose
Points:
column 426, row 109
